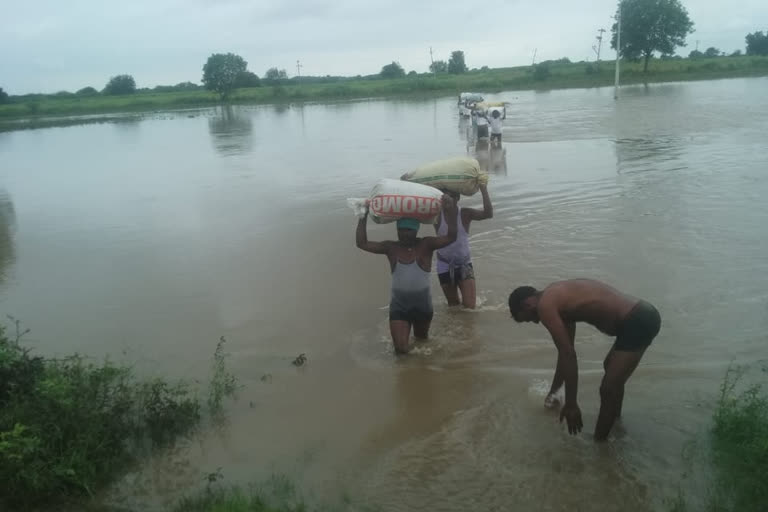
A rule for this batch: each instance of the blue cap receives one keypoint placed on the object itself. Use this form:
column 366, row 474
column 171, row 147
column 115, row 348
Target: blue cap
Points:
column 408, row 224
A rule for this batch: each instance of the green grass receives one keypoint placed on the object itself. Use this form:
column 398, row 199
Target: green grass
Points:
column 278, row 494
column 543, row 76
column 69, row 427
column 735, row 454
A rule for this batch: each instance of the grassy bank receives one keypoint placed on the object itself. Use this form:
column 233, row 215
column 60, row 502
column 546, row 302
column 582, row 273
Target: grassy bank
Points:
column 551, row 75
column 731, row 463
column 278, row 494
column 69, row 427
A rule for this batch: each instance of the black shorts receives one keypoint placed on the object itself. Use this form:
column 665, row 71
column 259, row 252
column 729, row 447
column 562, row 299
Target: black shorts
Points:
column 460, row 274
column 638, row 328
column 413, row 316
column 496, row 136
column 482, row 131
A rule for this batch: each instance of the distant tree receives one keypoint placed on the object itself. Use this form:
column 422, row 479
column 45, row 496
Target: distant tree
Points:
column 649, row 26
column 3, row 96
column 275, row 74
column 393, row 70
column 120, row 84
column 757, row 43
column 712, row 52
column 439, row 66
column 736, row 53
column 412, row 73
column 63, row 94
column 485, row 68
column 696, row 54
column 221, row 71
column 247, row 79
column 456, row 63
column 87, row 91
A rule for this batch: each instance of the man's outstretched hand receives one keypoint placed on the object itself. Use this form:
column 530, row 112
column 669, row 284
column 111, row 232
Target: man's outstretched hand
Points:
column 572, row 415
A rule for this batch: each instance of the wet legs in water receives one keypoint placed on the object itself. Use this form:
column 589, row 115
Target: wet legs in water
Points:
column 401, row 333
column 468, row 293
column 619, row 366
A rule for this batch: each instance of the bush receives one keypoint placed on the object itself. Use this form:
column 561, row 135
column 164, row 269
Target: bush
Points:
column 736, row 450
column 69, row 426
column 589, row 69
column 740, row 443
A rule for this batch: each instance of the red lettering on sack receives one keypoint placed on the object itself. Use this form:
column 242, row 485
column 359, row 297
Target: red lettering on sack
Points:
column 422, row 208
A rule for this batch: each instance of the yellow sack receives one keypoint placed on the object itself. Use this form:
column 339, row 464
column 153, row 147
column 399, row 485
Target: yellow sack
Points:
column 460, row 175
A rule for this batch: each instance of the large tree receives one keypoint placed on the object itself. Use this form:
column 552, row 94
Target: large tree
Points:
column 456, row 63
column 120, row 84
column 392, row 70
column 649, row 26
column 439, row 66
column 757, row 43
column 221, row 72
column 3, row 96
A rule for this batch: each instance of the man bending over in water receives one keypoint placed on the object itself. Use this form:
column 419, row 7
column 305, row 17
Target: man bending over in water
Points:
column 635, row 323
column 410, row 260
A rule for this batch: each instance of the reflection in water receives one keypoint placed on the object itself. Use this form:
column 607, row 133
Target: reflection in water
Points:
column 491, row 157
column 281, row 108
column 7, row 229
column 498, row 160
column 231, row 130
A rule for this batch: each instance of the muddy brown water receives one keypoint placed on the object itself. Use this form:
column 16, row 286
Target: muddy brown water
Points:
column 147, row 239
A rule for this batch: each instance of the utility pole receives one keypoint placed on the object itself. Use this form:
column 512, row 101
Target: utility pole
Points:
column 432, row 61
column 697, row 45
column 618, row 54
column 597, row 47
column 533, row 62
column 298, row 68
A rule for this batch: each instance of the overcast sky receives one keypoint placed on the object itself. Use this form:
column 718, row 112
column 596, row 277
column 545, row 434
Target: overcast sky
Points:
column 52, row 45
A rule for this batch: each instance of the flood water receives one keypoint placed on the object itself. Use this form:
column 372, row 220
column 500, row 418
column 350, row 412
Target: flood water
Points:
column 146, row 240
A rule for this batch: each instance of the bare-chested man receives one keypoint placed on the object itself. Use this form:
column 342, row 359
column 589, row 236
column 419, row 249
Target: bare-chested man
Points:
column 635, row 323
column 410, row 260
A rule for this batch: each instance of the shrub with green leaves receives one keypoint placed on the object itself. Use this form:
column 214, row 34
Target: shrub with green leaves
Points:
column 740, row 444
column 69, row 426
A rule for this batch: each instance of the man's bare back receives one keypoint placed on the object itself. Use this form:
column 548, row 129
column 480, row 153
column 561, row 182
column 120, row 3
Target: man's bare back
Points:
column 559, row 307
column 586, row 300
